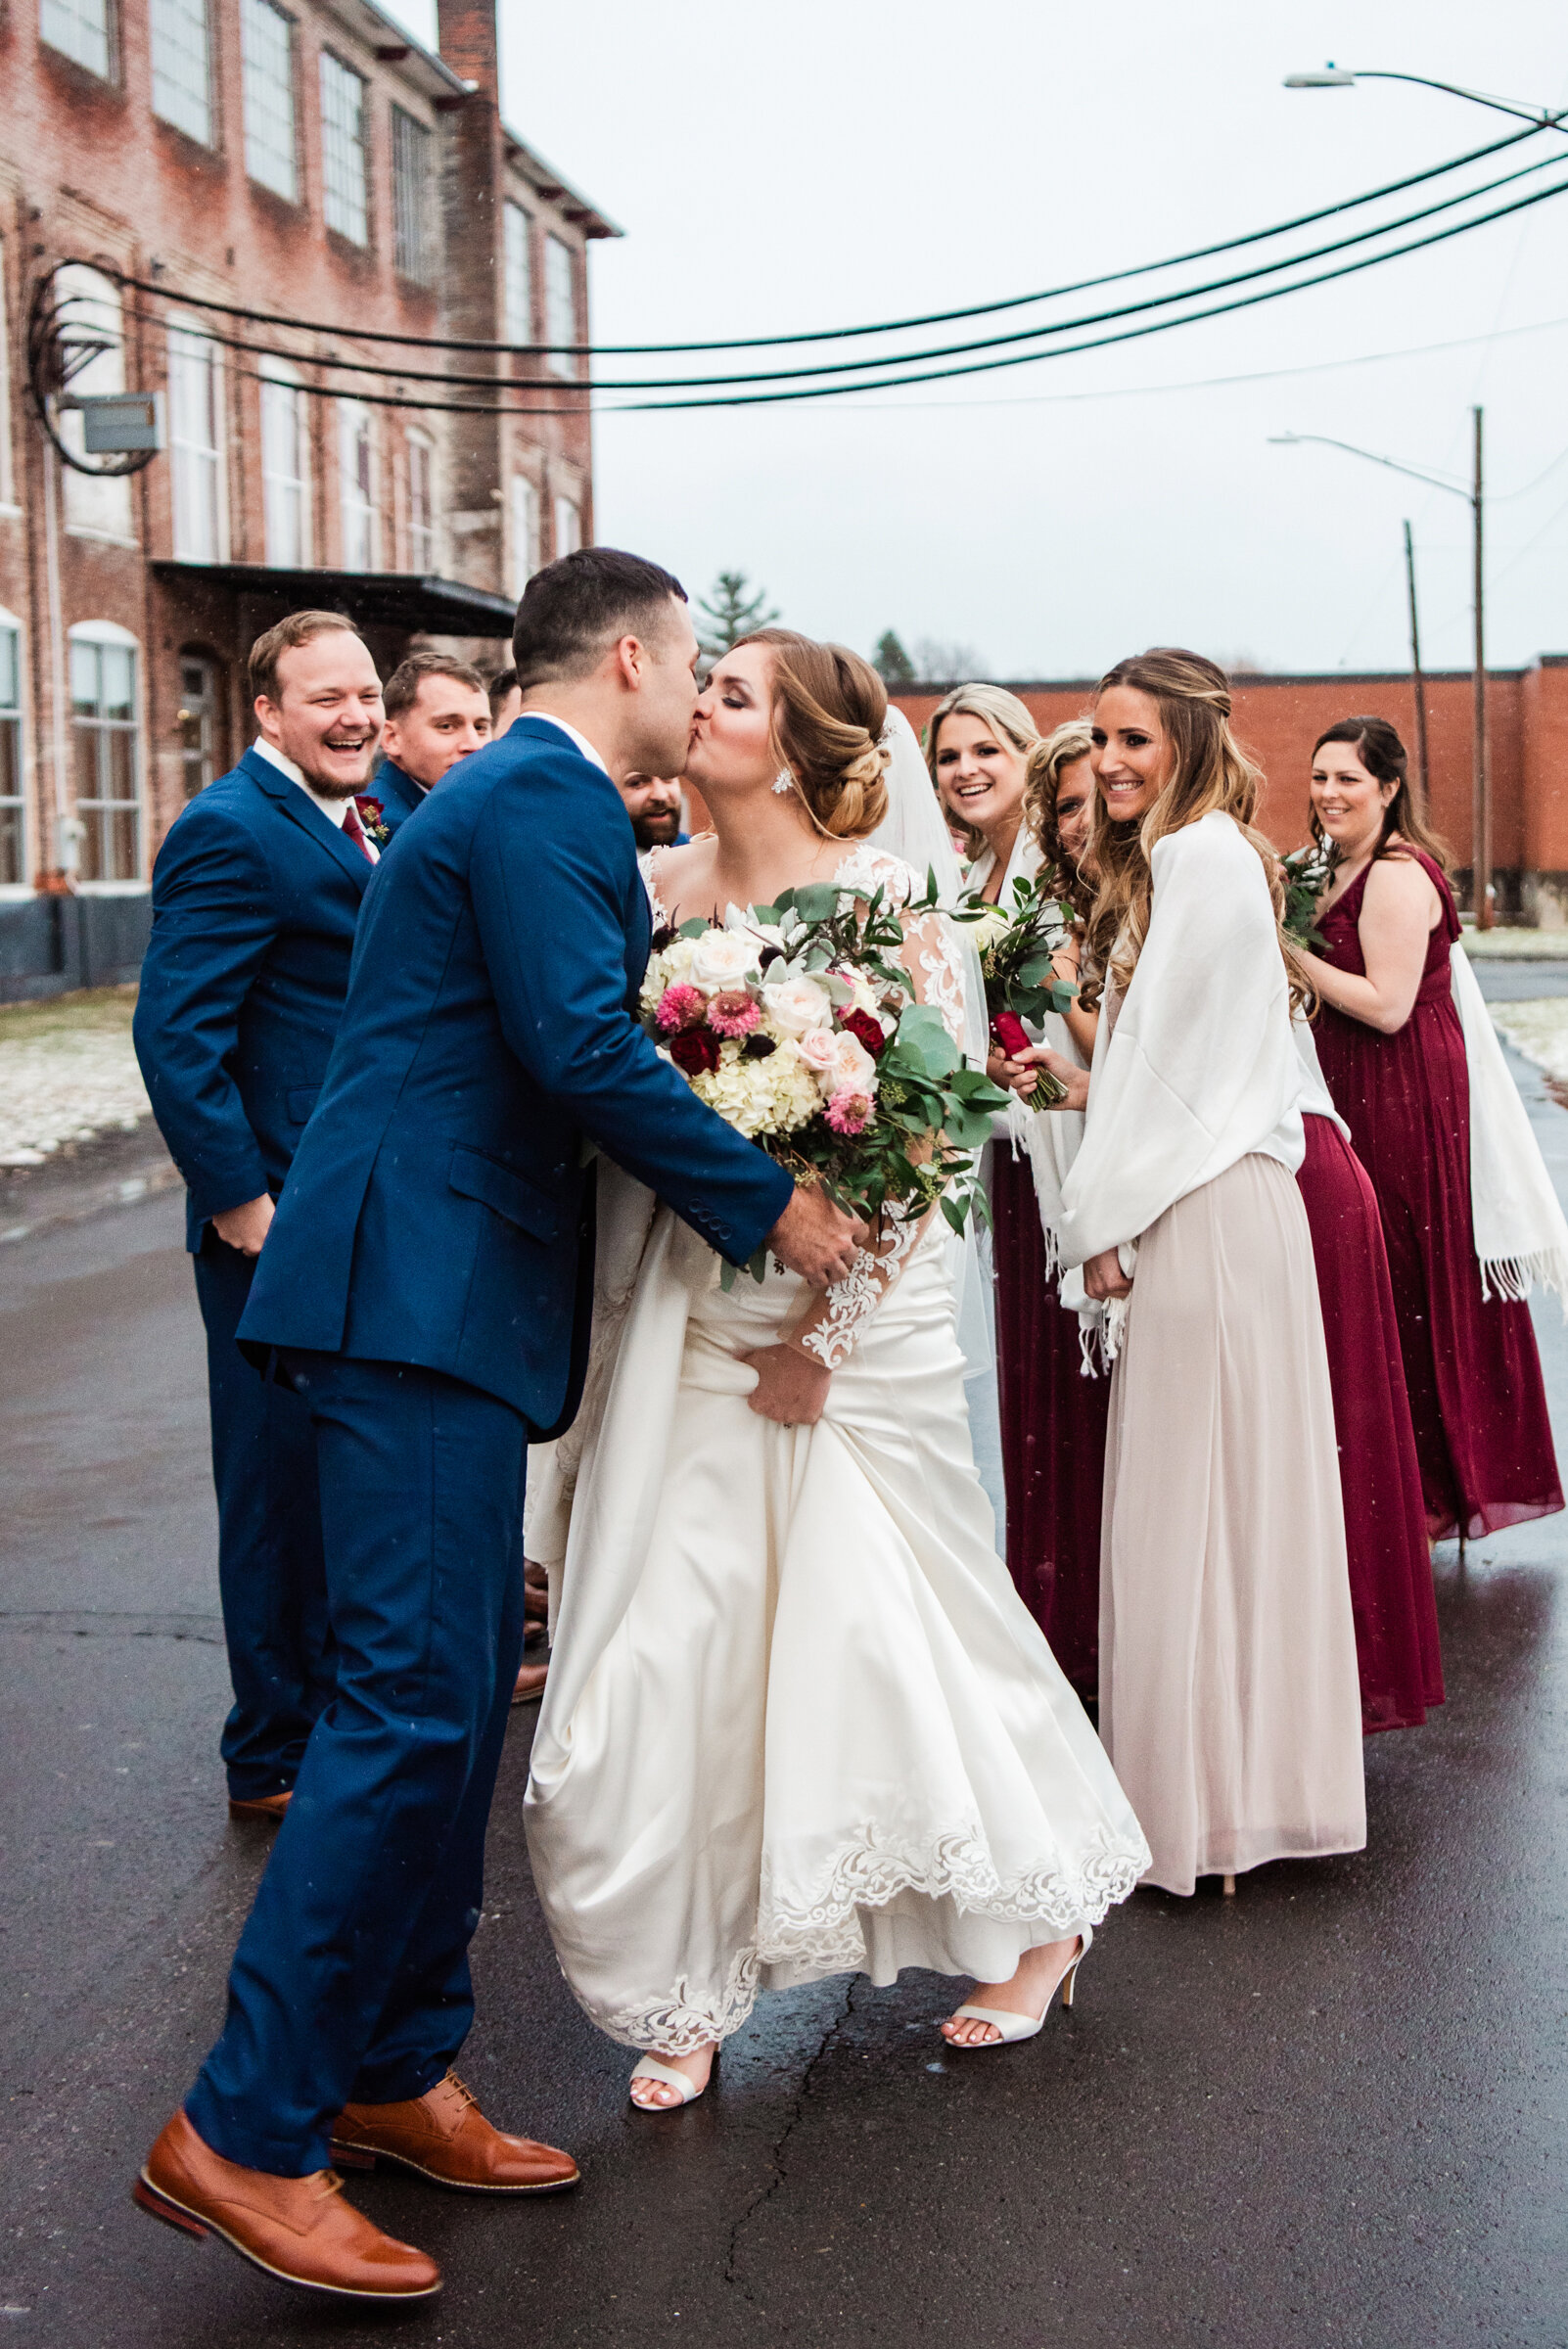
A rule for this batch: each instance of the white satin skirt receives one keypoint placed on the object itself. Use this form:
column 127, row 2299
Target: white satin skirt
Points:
column 798, row 1721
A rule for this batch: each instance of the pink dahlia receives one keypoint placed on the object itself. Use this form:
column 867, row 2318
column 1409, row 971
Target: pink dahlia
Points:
column 681, row 1007
column 849, row 1113
column 733, row 1015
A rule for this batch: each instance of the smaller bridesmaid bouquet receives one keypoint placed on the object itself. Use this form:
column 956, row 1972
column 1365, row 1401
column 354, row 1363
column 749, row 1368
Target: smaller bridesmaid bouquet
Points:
column 1307, row 873
column 1016, row 942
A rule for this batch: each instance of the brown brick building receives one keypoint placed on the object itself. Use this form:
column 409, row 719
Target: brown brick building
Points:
column 300, row 159
column 1280, row 717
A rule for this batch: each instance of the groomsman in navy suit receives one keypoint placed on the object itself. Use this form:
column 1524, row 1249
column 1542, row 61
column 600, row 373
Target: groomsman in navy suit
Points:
column 255, row 899
column 426, row 1287
column 438, row 711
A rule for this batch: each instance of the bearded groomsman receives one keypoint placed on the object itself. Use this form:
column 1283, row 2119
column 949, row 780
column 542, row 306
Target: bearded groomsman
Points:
column 256, row 899
column 438, row 711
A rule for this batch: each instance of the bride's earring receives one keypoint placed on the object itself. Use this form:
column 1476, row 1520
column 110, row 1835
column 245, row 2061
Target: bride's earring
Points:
column 783, row 781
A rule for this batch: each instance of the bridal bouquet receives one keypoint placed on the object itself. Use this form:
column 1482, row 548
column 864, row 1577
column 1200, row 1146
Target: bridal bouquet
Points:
column 1016, row 944
column 798, row 1024
column 1307, row 873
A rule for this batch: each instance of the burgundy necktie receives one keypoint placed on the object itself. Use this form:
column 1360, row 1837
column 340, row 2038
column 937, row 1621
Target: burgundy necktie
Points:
column 356, row 831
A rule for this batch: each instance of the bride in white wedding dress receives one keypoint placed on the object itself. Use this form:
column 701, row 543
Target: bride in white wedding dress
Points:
column 798, row 1721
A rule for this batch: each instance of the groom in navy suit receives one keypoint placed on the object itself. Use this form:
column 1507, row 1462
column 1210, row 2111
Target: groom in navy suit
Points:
column 256, row 899
column 426, row 1288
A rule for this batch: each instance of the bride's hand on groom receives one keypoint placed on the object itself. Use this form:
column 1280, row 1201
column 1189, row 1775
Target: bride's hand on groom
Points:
column 816, row 1240
column 790, row 1387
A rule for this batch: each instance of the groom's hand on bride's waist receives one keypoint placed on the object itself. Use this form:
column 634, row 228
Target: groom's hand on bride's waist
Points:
column 816, row 1239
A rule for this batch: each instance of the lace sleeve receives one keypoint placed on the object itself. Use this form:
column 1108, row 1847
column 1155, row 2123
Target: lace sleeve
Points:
column 834, row 1321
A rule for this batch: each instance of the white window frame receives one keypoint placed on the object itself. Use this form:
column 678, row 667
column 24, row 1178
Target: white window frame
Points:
column 517, row 272
column 561, row 304
column 525, row 514
column 420, row 456
column 83, row 30
column 14, row 718
column 271, row 103
column 284, row 416
column 345, row 150
column 198, row 503
column 568, row 519
column 182, row 65
column 108, row 633
column 97, row 505
column 413, row 243
column 359, row 508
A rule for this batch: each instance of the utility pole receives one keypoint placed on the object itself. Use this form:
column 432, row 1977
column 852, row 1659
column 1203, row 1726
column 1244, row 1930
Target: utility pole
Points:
column 1481, row 808
column 1418, row 683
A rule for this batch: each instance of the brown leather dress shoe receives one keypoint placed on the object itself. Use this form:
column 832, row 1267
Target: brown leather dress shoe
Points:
column 299, row 2229
column 268, row 1807
column 444, row 2136
column 529, row 1684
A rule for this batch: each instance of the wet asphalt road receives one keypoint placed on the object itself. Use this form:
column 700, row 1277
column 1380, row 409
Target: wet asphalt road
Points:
column 1329, row 2112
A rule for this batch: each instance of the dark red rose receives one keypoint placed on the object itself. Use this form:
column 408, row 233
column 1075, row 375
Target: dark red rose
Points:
column 663, row 935
column 695, row 1049
column 367, row 805
column 865, row 1030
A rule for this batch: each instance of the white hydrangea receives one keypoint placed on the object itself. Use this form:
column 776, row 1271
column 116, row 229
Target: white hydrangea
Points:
column 775, row 1094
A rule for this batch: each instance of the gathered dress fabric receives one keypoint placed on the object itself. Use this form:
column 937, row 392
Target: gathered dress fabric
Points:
column 1229, row 1698
column 1472, row 1369
column 798, row 1721
column 1392, row 1595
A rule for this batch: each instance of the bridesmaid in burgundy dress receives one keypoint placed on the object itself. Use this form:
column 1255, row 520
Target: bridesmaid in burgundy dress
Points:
column 1393, row 1052
column 980, row 745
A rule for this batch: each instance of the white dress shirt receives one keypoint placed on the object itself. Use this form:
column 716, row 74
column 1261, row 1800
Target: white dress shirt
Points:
column 335, row 811
column 571, row 732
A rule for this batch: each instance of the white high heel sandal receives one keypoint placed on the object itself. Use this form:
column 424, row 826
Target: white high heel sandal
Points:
column 1010, row 2028
column 650, row 2069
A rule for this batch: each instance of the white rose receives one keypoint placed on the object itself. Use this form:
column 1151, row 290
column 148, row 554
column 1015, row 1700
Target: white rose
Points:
column 797, row 1005
column 722, row 959
column 819, row 1049
column 853, row 1068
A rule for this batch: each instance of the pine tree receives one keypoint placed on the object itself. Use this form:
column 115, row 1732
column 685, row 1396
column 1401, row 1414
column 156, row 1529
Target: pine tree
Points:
column 727, row 612
column 890, row 661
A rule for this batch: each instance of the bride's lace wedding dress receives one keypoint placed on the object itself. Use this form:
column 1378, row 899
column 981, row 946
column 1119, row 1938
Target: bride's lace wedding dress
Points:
column 798, row 1721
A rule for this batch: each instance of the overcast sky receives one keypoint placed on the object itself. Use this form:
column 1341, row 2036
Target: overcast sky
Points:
column 834, row 161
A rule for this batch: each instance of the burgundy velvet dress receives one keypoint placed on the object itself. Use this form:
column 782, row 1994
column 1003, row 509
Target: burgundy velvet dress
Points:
column 1471, row 1369
column 1380, row 1477
column 1052, row 1435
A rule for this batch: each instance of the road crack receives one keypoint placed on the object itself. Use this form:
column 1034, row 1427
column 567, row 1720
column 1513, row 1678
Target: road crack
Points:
column 797, row 2113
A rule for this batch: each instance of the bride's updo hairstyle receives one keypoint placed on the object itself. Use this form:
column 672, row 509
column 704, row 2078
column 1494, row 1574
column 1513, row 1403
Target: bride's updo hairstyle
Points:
column 1210, row 771
column 829, row 710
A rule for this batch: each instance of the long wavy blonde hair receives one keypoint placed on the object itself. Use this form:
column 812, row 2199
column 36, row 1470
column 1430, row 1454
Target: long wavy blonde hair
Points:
column 1209, row 772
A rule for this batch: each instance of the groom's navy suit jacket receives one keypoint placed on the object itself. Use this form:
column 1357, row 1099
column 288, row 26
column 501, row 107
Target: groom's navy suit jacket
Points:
column 256, row 899
column 440, row 1209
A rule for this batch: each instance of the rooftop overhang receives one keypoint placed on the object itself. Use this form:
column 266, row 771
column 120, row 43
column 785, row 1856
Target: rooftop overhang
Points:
column 375, row 599
column 548, row 182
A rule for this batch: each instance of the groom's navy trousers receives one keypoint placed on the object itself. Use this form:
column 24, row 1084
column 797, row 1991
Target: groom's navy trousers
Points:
column 426, row 1287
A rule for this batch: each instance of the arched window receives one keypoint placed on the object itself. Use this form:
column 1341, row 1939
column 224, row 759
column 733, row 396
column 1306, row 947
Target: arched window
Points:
column 106, row 733
column 89, row 306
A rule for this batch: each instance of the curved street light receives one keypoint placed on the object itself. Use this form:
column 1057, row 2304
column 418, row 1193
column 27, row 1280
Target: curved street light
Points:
column 1338, row 78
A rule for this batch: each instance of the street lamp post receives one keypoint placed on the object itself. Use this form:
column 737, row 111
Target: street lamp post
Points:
column 1423, row 770
column 1337, row 77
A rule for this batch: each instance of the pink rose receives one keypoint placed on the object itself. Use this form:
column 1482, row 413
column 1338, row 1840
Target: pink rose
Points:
column 849, row 1113
column 819, row 1049
column 679, row 1006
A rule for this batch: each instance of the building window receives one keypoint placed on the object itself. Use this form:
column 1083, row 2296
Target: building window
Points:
column 196, row 446
column 356, row 474
column 285, row 467
column 560, row 303
column 411, row 192
column 525, row 532
column 517, row 285
column 182, row 89
column 81, row 29
column 103, row 709
column 13, row 808
column 266, row 45
column 97, row 505
column 199, row 722
column 568, row 527
column 343, row 178
column 421, row 503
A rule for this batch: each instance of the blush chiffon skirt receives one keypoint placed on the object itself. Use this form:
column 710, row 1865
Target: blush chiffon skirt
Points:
column 1229, row 1702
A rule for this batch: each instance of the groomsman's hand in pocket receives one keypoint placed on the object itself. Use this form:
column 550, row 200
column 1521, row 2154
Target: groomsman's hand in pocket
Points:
column 816, row 1240
column 790, row 1387
column 244, row 1227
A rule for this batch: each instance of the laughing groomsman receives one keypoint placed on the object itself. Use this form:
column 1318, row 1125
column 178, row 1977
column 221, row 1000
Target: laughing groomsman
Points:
column 438, row 711
column 256, row 899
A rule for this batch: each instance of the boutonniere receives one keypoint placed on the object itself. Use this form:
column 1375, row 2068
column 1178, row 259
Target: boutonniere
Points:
column 373, row 818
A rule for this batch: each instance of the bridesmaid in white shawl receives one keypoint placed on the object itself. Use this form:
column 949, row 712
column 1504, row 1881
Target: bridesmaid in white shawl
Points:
column 1229, row 1700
